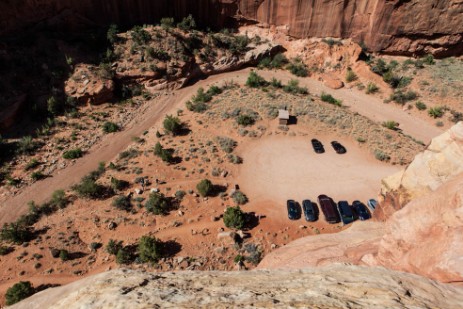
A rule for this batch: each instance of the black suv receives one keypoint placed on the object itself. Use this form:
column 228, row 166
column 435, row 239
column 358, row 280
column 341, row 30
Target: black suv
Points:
column 338, row 147
column 347, row 216
column 294, row 210
column 317, row 146
column 361, row 210
column 310, row 212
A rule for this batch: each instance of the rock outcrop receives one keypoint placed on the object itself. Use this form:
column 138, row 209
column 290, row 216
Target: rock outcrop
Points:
column 440, row 162
column 395, row 26
column 336, row 286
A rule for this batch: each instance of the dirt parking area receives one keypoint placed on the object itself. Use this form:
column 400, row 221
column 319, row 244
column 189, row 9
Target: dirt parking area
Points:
column 277, row 168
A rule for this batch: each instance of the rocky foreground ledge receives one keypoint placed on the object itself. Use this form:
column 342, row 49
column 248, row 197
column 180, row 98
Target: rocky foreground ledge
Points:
column 335, row 286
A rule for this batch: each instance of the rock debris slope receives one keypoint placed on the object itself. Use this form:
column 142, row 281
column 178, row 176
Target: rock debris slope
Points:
column 336, row 286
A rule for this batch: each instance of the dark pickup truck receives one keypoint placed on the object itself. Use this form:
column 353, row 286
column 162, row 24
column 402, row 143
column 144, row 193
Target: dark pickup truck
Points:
column 328, row 208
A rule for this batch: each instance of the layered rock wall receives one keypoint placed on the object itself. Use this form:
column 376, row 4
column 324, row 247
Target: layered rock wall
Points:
column 392, row 26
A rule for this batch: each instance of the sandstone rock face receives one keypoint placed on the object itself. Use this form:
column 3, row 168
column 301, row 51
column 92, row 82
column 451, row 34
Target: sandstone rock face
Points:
column 425, row 237
column 440, row 162
column 394, row 26
column 336, row 286
column 87, row 86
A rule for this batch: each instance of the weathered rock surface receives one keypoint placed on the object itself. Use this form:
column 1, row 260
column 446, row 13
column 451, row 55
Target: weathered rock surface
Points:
column 336, row 286
column 440, row 162
column 395, row 26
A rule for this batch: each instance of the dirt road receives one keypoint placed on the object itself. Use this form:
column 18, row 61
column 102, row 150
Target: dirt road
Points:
column 112, row 145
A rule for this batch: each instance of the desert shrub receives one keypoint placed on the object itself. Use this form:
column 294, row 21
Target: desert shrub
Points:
column 420, row 106
column 157, row 54
column 205, row 187
column 111, row 34
column 32, row 164
column 129, row 154
column 456, row 116
column 122, row 202
column 59, row 199
column 404, row 81
column 149, row 249
column 73, row 154
column 403, row 97
column 54, row 106
column 234, row 159
column 18, row 292
column 187, row 23
column 239, row 198
column 15, row 233
column 201, row 96
column 278, row 61
column 391, row 125
column 172, row 124
column 439, row 124
column 379, row 67
column 255, row 254
column 381, row 156
column 226, row 144
column 157, row 204
column 294, row 88
column 392, row 79
column 436, row 112
column 95, row 246
column 325, row 97
column 37, row 176
column 429, row 60
column 331, row 42
column 64, row 255
column 123, row 256
column 238, row 259
column 4, row 250
column 255, row 80
column 298, row 68
column 118, row 184
column 113, row 246
column 276, row 83
column 164, row 154
column 110, row 127
column 371, row 88
column 245, row 120
column 88, row 188
column 139, row 35
column 234, row 218
column 351, row 76
column 26, row 145
column 180, row 194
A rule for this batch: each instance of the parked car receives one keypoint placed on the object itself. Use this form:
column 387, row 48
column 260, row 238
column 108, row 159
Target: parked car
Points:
column 372, row 204
column 294, row 212
column 310, row 212
column 338, row 147
column 345, row 212
column 317, row 146
column 361, row 210
column 328, row 208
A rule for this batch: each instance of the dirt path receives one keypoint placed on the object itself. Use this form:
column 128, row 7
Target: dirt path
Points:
column 112, row 145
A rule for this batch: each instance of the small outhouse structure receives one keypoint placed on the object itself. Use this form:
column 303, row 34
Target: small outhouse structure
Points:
column 283, row 116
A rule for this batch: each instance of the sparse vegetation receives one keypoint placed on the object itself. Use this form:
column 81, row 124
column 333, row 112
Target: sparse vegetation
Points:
column 278, row 61
column 73, row 154
column 325, row 97
column 372, row 88
column 420, row 106
column 18, row 292
column 351, row 76
column 381, row 155
column 245, row 120
column 391, row 125
column 255, row 80
column 226, row 144
column 403, row 97
column 234, row 218
column 294, row 88
column 436, row 112
column 110, row 127
column 298, row 68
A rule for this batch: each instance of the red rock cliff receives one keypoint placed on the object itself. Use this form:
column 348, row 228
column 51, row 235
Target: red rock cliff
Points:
column 391, row 26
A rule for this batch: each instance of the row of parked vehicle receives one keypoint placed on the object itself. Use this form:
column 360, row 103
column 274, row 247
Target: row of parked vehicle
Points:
column 319, row 148
column 332, row 212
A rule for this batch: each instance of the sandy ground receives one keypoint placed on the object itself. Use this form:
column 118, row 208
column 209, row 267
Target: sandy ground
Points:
column 111, row 145
column 278, row 168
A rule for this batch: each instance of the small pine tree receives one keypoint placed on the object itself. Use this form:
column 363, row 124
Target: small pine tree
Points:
column 149, row 249
column 204, row 187
column 18, row 292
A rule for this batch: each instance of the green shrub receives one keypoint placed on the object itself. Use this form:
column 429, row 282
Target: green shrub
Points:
column 157, row 204
column 403, row 97
column 37, row 176
column 123, row 256
column 391, row 125
column 58, row 199
column 88, row 188
column 372, row 88
column 381, row 156
column 436, row 112
column 180, row 194
column 205, row 187
column 149, row 249
column 187, row 23
column 234, row 159
column 4, row 250
column 129, row 154
column 420, row 106
column 238, row 259
column 172, row 125
column 239, row 198
column 140, row 36
column 73, row 154
column 119, row 185
column 64, row 255
column 201, row 96
column 15, row 233
column 111, row 35
column 298, row 68
column 18, row 292
column 351, row 76
column 245, row 120
column 234, row 218
column 429, row 60
column 32, row 164
column 226, row 144
column 255, row 80
column 26, row 145
column 164, row 154
column 331, row 42
column 325, row 97
column 122, row 202
column 110, row 127
column 113, row 246
column 278, row 61
column 276, row 83
column 294, row 88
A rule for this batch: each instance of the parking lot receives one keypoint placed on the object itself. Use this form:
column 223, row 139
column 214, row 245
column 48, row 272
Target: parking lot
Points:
column 278, row 168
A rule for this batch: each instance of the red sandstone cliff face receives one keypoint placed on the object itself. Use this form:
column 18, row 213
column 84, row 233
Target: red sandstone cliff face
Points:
column 391, row 26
